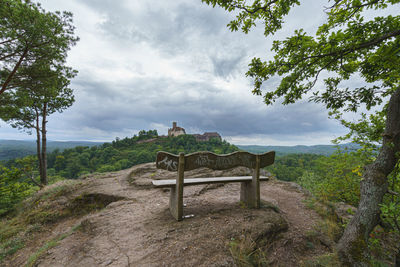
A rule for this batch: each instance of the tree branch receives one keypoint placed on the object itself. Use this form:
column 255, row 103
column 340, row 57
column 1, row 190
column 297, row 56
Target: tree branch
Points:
column 4, row 86
column 264, row 8
column 368, row 44
column 7, row 41
column 34, row 181
column 357, row 7
column 344, row 52
column 10, row 55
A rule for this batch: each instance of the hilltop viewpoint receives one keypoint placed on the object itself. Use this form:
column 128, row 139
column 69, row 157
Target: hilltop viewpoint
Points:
column 120, row 219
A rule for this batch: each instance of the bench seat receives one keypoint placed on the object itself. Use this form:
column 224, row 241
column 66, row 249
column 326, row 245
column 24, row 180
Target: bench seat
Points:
column 208, row 180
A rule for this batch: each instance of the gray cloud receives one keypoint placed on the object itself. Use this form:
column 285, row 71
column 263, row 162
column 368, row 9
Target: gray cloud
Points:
column 137, row 105
column 225, row 66
column 147, row 63
column 188, row 29
column 171, row 32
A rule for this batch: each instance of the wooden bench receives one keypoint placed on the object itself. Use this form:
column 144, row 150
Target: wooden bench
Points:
column 250, row 185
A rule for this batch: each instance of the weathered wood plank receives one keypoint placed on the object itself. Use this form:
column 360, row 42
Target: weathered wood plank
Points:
column 267, row 159
column 207, row 180
column 168, row 161
column 219, row 162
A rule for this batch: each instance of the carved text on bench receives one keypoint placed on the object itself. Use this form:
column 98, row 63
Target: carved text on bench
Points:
column 210, row 160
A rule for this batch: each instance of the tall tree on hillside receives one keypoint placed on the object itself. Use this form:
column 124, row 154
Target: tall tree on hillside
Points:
column 41, row 92
column 346, row 45
column 28, row 34
column 33, row 77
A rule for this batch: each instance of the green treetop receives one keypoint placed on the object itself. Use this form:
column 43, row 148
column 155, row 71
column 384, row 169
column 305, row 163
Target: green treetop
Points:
column 29, row 34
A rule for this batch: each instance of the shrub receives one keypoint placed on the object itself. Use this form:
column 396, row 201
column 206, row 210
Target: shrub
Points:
column 13, row 189
column 337, row 178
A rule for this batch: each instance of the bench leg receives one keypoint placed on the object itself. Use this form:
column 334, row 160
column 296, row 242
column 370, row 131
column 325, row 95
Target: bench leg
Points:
column 255, row 186
column 250, row 192
column 176, row 204
column 245, row 192
column 248, row 195
column 176, row 197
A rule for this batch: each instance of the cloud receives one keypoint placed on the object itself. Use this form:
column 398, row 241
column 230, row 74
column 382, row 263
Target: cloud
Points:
column 129, row 106
column 143, row 64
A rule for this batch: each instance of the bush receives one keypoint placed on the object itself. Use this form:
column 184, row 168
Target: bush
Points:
column 13, row 189
column 337, row 178
column 106, row 168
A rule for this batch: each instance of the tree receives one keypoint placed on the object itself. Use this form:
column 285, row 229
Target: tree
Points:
column 346, row 45
column 42, row 90
column 34, row 81
column 29, row 34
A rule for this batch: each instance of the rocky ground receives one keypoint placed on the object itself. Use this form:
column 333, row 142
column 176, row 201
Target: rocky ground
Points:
column 135, row 227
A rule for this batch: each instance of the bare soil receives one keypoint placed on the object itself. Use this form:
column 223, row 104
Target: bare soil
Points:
column 136, row 228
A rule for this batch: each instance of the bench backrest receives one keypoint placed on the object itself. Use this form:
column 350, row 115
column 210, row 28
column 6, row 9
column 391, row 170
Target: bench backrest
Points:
column 170, row 162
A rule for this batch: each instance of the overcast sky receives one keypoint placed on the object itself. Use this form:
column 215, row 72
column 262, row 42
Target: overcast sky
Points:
column 144, row 64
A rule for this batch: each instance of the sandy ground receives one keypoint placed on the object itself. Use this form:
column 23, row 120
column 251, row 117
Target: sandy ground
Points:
column 139, row 230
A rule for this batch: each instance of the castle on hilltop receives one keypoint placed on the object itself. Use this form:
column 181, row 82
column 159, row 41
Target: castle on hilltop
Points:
column 176, row 131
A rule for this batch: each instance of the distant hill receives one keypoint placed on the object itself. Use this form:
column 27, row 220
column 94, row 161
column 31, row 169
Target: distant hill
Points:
column 325, row 150
column 72, row 159
column 11, row 149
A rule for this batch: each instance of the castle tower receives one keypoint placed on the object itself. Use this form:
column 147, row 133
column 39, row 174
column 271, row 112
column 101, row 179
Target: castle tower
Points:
column 175, row 130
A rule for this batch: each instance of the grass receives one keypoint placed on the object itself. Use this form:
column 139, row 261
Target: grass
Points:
column 12, row 237
column 246, row 253
column 10, row 228
column 327, row 260
column 266, row 204
column 47, row 207
column 10, row 247
column 330, row 224
column 39, row 212
column 54, row 191
column 50, row 244
column 309, row 203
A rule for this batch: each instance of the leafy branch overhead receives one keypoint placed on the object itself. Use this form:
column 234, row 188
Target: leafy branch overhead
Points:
column 346, row 44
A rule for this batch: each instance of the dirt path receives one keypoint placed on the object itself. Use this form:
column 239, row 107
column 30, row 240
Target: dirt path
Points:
column 139, row 231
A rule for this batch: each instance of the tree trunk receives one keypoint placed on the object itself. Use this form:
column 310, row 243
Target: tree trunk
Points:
column 353, row 246
column 43, row 177
column 38, row 151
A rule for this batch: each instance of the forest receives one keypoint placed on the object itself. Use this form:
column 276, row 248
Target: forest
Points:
column 10, row 149
column 333, row 178
column 329, row 179
column 18, row 176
